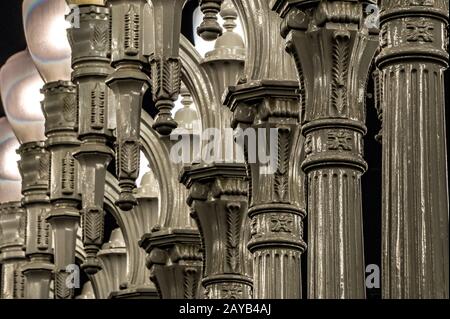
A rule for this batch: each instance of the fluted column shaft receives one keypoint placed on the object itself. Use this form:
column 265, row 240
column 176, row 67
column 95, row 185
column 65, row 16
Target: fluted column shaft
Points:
column 332, row 76
column 411, row 63
column 218, row 200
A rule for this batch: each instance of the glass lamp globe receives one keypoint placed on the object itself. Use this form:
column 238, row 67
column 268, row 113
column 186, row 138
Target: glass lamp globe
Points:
column 20, row 85
column 10, row 180
column 45, row 29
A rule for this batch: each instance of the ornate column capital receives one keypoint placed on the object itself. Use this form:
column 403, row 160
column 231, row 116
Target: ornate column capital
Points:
column 218, row 201
column 175, row 262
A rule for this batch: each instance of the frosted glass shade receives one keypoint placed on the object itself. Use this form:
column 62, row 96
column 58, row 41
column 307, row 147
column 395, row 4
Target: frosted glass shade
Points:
column 45, row 29
column 20, row 86
column 10, row 181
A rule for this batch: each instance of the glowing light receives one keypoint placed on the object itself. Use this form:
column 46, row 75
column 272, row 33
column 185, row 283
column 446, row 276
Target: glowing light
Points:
column 20, row 85
column 45, row 31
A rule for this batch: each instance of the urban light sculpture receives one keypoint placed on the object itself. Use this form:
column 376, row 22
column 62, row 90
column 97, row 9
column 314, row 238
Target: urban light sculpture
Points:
column 231, row 224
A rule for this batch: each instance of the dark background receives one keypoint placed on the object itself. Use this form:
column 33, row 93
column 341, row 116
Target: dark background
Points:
column 12, row 40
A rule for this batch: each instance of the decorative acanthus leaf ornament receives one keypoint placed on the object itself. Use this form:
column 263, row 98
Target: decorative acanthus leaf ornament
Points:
column 68, row 174
column 232, row 291
column 43, row 230
column 165, row 62
column 281, row 181
column 166, row 79
column 132, row 30
column 62, row 290
column 98, row 107
column 129, row 158
column 100, row 39
column 18, row 283
column 190, row 283
column 70, row 109
column 93, row 226
column 233, row 234
column 340, row 70
column 44, row 168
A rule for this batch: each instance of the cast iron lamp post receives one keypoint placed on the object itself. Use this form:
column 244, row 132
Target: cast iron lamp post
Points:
column 20, row 87
column 218, row 191
column 411, row 62
column 90, row 45
column 45, row 30
column 12, row 217
column 342, row 48
column 266, row 100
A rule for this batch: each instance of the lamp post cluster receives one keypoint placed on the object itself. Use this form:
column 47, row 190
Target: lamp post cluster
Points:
column 87, row 108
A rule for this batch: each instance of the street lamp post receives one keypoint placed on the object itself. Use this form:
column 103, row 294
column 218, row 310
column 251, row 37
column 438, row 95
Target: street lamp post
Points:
column 90, row 63
column 342, row 45
column 21, row 83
